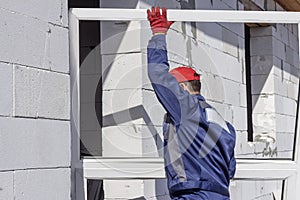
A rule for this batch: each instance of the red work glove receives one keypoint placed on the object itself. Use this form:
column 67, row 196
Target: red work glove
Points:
column 158, row 22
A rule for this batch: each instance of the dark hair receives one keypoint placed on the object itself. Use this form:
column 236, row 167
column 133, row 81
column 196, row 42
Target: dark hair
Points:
column 193, row 86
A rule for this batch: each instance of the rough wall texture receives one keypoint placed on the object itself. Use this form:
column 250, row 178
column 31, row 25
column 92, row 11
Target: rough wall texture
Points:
column 34, row 100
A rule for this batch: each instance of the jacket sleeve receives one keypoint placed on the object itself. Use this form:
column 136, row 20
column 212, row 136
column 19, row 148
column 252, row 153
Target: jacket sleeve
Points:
column 176, row 101
column 232, row 167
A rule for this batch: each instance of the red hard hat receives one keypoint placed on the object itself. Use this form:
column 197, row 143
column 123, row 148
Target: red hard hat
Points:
column 184, row 74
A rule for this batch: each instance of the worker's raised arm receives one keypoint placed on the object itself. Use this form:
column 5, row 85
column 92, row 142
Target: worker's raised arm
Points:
column 176, row 101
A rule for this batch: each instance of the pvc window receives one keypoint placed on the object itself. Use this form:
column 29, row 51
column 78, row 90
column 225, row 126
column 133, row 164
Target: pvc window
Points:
column 150, row 168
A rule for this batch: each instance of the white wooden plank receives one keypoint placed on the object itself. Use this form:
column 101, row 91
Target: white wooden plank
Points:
column 190, row 15
column 118, row 168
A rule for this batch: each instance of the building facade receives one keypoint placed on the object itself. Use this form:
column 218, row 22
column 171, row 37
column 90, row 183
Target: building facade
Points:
column 249, row 73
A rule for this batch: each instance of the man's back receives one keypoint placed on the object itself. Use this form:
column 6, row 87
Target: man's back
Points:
column 199, row 146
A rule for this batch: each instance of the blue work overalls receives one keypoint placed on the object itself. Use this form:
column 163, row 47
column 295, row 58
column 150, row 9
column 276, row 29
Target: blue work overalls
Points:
column 198, row 143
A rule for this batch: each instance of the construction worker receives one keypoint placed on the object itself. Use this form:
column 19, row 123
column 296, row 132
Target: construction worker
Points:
column 198, row 143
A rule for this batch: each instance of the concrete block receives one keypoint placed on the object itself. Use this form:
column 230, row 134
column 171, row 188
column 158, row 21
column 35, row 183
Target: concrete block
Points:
column 25, row 40
column 220, row 5
column 263, row 84
column 243, row 147
column 286, row 72
column 123, row 189
column 261, row 46
column 241, row 50
column 116, row 4
column 262, row 31
column 296, row 61
column 37, row 142
column 7, row 185
column 122, row 71
column 115, row 101
column 259, row 3
column 212, row 34
column 264, row 123
column 285, row 123
column 213, row 87
column 280, row 86
column 145, row 79
column 90, row 117
column 261, row 65
column 221, row 108
column 154, row 110
column 285, row 141
column 295, row 29
column 270, row 5
column 293, row 41
column 263, row 104
column 239, row 118
column 175, row 54
column 172, row 4
column 285, row 105
column 203, row 60
column 152, row 141
column 293, row 91
column 6, row 89
column 122, row 141
column 243, row 95
column 236, row 28
column 231, row 4
column 226, row 66
column 277, row 65
column 40, row 93
column 92, row 141
column 279, row 49
column 232, row 89
column 28, row 86
column 58, row 49
column 284, row 35
column 205, row 4
column 55, row 11
column 120, row 37
column 230, row 42
column 45, row 184
column 240, row 6
column 289, row 55
column 54, row 101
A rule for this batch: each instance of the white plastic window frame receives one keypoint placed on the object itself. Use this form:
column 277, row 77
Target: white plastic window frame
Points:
column 151, row 168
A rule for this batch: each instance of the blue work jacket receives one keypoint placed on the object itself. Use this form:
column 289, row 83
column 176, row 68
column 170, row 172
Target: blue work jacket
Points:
column 198, row 142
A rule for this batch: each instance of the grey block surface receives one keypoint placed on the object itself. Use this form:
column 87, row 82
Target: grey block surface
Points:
column 39, row 93
column 46, row 184
column 32, row 42
column 7, row 185
column 54, row 11
column 34, row 143
column 6, row 89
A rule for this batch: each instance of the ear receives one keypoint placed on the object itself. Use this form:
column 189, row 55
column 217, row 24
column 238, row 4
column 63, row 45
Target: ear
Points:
column 183, row 86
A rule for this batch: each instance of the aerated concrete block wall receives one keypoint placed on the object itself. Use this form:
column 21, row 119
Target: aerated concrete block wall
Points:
column 34, row 100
